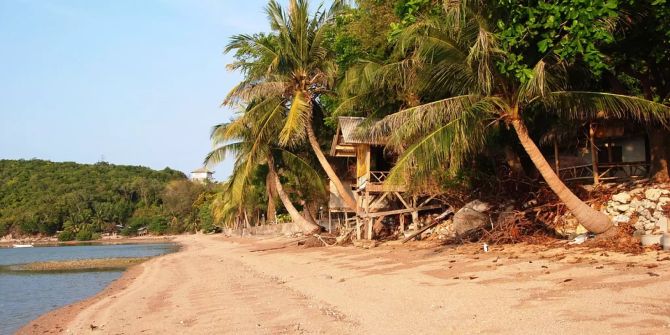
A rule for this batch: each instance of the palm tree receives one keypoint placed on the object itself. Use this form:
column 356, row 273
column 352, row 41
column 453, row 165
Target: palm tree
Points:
column 288, row 71
column 457, row 54
column 250, row 138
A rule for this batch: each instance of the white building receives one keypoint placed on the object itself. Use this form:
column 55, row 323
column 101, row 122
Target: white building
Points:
column 201, row 174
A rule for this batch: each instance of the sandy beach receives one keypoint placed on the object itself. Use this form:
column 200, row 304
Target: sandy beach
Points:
column 262, row 286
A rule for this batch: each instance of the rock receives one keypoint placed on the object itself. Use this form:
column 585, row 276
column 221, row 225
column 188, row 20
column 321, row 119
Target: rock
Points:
column 580, row 230
column 644, row 213
column 479, row 206
column 662, row 201
column 470, row 218
column 622, row 208
column 662, row 224
column 621, row 219
column 648, row 204
column 611, row 211
column 623, row 197
column 635, row 191
column 653, row 194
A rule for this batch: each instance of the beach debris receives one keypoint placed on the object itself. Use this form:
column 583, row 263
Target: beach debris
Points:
column 434, row 223
column 579, row 239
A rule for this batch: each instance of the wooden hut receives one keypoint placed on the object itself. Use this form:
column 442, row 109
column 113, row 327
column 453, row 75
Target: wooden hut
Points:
column 612, row 151
column 367, row 167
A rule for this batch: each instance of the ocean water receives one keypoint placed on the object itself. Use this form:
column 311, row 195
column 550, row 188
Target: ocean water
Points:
column 25, row 296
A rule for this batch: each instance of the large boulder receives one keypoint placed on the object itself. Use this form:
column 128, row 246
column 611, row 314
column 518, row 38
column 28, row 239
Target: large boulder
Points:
column 471, row 217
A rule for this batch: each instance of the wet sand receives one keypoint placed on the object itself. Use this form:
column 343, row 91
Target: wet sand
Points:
column 258, row 286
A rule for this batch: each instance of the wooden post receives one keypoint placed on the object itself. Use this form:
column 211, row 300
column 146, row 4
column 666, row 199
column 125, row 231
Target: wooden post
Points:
column 368, row 221
column 415, row 213
column 330, row 221
column 358, row 228
column 594, row 154
column 401, row 219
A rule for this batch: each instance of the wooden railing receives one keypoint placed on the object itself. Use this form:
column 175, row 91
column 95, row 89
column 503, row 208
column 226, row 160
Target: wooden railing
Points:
column 577, row 172
column 378, row 176
column 606, row 171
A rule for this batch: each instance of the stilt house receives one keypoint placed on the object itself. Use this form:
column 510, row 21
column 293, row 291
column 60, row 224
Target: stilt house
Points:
column 366, row 166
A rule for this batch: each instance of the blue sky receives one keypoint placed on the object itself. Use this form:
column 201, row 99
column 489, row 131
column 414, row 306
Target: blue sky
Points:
column 138, row 82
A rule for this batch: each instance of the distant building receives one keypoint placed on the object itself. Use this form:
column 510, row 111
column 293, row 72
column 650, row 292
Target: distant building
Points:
column 201, row 175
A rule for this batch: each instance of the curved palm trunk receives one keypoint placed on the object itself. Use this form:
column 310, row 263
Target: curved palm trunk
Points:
column 348, row 199
column 593, row 220
column 272, row 195
column 307, row 227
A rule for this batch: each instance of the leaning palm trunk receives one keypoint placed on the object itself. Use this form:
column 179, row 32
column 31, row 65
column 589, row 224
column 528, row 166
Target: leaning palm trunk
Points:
column 272, row 194
column 348, row 199
column 306, row 226
column 593, row 220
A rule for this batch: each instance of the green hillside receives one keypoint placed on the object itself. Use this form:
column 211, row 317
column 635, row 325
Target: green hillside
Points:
column 43, row 197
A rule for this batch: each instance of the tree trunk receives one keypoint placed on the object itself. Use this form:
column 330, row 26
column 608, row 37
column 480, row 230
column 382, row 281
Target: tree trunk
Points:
column 513, row 161
column 348, row 199
column 307, row 227
column 593, row 220
column 310, row 209
column 272, row 195
column 658, row 154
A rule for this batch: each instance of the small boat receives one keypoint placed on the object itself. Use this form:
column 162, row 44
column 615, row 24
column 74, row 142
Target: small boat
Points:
column 22, row 245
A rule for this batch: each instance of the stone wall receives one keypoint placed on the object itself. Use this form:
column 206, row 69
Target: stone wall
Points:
column 642, row 206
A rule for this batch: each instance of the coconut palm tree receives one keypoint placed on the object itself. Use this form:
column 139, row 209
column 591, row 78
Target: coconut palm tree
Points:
column 288, row 70
column 457, row 54
column 250, row 139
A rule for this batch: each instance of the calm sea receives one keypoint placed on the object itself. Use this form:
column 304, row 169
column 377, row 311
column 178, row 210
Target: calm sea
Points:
column 24, row 297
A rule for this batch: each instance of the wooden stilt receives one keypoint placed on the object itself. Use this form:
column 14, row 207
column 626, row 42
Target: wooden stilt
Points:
column 594, row 154
column 330, row 222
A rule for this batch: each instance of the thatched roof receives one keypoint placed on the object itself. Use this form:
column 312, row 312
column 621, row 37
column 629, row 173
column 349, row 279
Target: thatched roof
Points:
column 351, row 131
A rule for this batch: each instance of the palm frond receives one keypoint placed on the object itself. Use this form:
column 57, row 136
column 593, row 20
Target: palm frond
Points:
column 447, row 146
column 410, row 123
column 581, row 105
column 296, row 120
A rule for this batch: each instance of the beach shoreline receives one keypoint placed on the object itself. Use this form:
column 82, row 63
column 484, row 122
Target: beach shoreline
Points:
column 216, row 284
column 53, row 321
column 53, row 241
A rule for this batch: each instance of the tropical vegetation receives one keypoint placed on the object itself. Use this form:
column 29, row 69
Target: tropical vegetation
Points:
column 83, row 201
column 451, row 82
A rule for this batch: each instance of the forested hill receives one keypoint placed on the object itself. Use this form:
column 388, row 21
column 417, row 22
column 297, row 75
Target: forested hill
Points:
column 38, row 196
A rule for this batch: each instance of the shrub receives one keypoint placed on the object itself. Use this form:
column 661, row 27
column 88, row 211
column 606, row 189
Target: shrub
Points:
column 84, row 235
column 158, row 225
column 66, row 235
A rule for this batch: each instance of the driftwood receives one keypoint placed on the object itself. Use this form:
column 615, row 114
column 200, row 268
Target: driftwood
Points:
column 324, row 242
column 436, row 220
column 343, row 238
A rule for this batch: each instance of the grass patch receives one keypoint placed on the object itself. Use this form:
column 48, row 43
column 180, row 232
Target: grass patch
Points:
column 97, row 264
